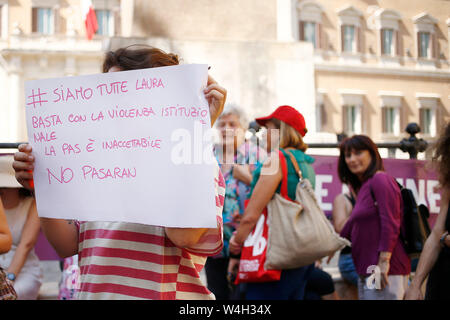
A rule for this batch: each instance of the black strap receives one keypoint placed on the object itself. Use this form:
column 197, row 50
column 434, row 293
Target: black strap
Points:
column 351, row 198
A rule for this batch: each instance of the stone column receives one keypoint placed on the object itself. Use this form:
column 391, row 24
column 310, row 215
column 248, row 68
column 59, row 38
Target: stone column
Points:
column 17, row 131
column 286, row 16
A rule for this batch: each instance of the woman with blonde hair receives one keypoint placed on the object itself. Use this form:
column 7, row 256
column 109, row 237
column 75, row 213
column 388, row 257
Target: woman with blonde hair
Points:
column 121, row 260
column 289, row 125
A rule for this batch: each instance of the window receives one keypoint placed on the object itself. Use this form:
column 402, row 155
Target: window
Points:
column 308, row 32
column 43, row 20
column 424, row 45
column 348, row 38
column 387, row 41
column 105, row 21
column 387, row 21
column 426, row 118
column 388, row 120
column 352, row 102
column 427, row 103
column 391, row 102
column 350, row 28
column 424, row 25
column 310, row 22
column 4, row 19
column 321, row 114
column 350, row 119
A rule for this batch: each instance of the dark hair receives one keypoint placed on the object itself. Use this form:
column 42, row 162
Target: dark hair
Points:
column 441, row 156
column 25, row 193
column 358, row 143
column 138, row 57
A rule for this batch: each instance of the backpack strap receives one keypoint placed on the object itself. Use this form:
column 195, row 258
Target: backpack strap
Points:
column 351, row 198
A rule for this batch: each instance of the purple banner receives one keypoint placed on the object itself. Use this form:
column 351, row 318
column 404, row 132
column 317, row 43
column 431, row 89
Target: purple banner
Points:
column 44, row 250
column 412, row 174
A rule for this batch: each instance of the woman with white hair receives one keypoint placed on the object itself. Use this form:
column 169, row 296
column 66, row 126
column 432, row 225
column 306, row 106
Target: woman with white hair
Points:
column 238, row 159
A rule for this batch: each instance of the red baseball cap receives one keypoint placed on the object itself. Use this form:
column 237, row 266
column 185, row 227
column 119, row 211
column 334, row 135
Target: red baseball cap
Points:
column 288, row 115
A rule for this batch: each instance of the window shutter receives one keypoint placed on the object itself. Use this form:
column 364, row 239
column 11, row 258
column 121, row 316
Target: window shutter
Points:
column 397, row 43
column 418, row 45
column 117, row 23
column 342, row 39
column 319, row 35
column 433, row 46
column 301, row 31
column 382, row 41
column 323, row 116
column 56, row 21
column 34, row 20
column 358, row 38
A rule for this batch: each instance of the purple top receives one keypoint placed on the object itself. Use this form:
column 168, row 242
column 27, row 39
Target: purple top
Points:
column 373, row 230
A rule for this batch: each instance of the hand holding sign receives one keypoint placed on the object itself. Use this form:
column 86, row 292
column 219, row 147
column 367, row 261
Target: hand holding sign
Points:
column 216, row 96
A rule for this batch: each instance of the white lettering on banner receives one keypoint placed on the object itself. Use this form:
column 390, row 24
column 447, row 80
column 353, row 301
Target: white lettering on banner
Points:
column 424, row 193
column 419, row 195
column 322, row 192
column 432, row 196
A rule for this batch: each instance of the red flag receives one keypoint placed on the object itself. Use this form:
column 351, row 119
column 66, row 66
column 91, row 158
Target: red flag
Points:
column 89, row 17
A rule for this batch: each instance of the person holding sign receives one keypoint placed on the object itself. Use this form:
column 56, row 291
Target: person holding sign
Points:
column 121, row 260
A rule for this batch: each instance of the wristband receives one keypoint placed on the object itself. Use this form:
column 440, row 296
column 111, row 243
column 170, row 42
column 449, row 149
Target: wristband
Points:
column 234, row 256
column 11, row 276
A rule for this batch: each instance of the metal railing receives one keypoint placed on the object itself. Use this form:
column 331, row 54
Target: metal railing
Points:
column 411, row 145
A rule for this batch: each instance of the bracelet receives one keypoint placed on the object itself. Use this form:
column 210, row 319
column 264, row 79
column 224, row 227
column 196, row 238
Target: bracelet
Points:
column 234, row 256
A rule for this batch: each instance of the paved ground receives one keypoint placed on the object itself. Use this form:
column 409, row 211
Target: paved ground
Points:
column 52, row 275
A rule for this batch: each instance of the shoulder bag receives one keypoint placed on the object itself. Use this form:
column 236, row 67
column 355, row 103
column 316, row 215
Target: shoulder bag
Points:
column 299, row 231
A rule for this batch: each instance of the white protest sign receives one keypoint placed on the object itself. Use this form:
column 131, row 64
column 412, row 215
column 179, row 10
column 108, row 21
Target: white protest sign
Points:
column 124, row 146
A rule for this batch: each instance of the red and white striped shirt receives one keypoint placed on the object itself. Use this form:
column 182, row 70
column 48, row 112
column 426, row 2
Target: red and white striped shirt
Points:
column 120, row 260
